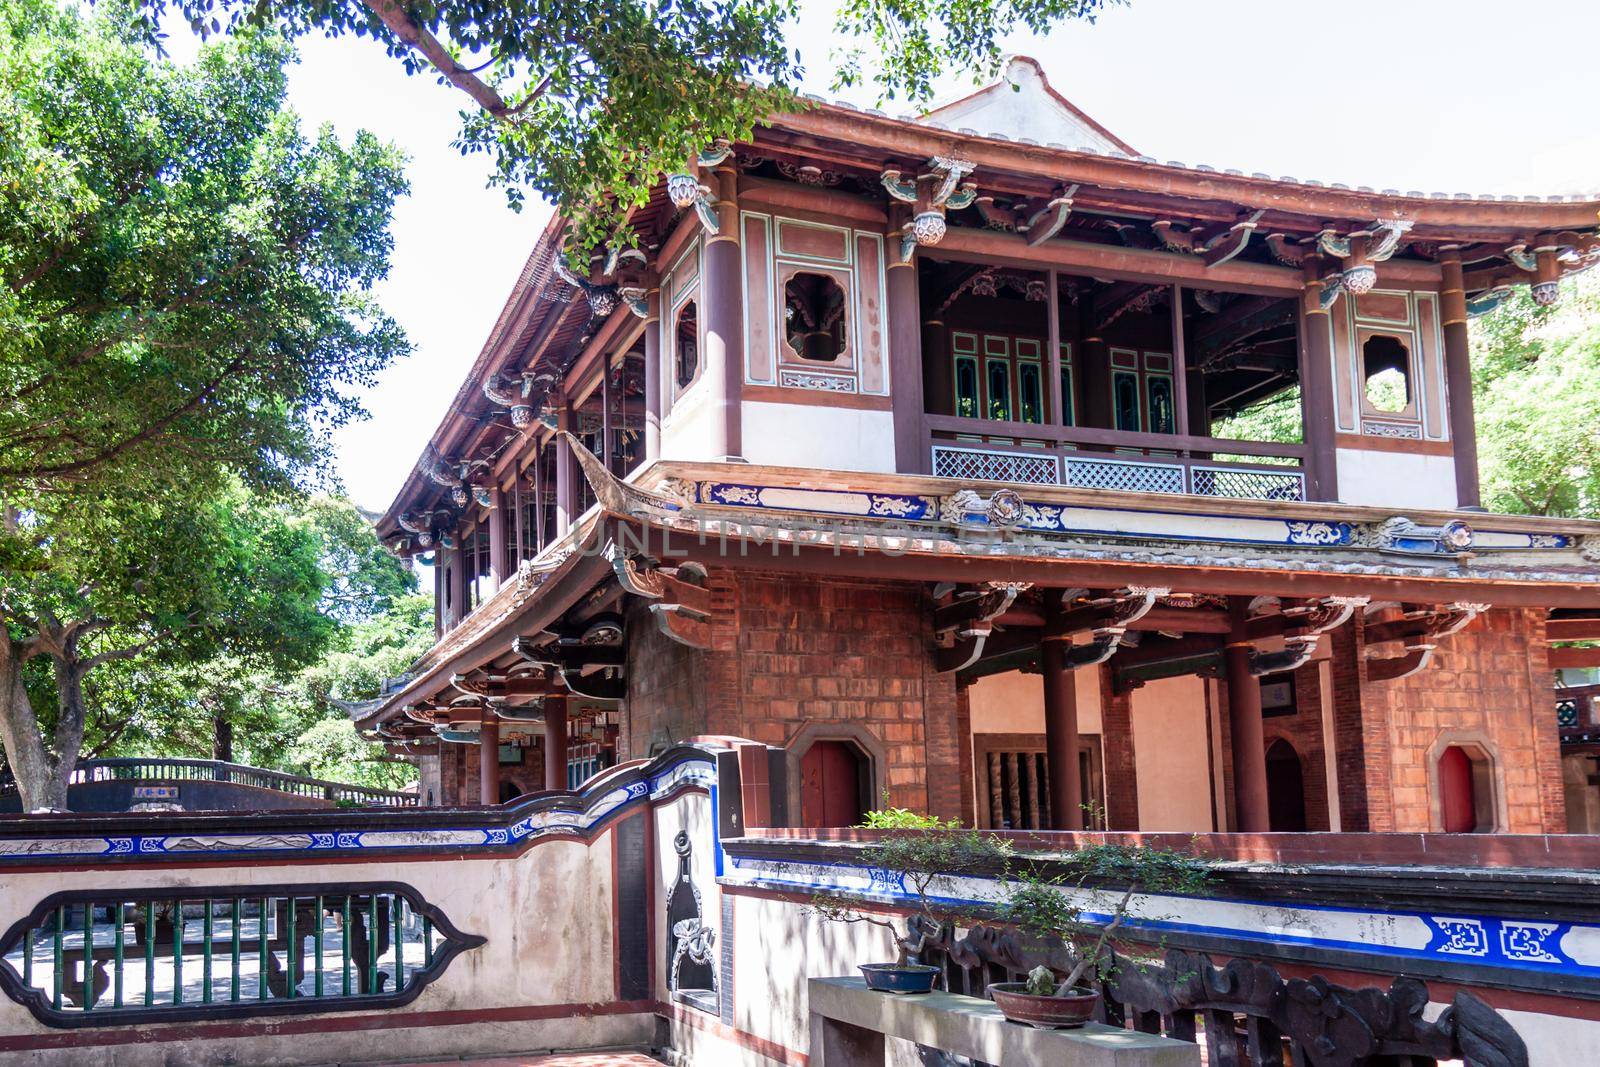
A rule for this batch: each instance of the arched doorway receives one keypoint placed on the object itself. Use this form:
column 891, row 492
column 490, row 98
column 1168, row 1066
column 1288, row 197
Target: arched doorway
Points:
column 832, row 784
column 1286, row 789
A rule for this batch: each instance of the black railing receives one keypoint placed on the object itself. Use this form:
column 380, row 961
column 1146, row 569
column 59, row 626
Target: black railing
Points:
column 161, row 769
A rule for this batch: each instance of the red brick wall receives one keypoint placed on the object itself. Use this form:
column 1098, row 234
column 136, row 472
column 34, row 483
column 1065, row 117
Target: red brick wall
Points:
column 790, row 651
column 1489, row 684
column 1303, row 730
column 458, row 773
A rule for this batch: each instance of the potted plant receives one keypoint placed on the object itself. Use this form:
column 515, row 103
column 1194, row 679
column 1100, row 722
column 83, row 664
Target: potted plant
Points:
column 1062, row 899
column 913, row 855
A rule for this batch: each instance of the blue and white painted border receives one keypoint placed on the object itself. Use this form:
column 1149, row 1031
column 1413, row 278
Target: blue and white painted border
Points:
column 1565, row 950
column 562, row 816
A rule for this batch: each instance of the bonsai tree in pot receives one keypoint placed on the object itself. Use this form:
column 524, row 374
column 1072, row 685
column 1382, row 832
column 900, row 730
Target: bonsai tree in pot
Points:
column 911, row 861
column 1081, row 900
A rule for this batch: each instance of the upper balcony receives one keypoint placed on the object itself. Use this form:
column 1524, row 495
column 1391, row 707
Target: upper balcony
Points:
column 1047, row 378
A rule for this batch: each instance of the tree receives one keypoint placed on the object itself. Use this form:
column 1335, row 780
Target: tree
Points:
column 119, row 574
column 184, row 277
column 293, row 720
column 1536, row 388
column 591, row 101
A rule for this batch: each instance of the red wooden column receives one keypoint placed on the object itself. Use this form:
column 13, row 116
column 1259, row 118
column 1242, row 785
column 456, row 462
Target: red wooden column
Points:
column 555, row 742
column 652, row 377
column 566, row 481
column 1061, row 736
column 1458, row 379
column 497, row 537
column 1244, row 720
column 722, row 287
column 489, row 759
column 1316, row 392
column 905, row 358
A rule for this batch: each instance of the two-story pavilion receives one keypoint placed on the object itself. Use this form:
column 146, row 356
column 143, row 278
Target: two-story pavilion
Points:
column 935, row 478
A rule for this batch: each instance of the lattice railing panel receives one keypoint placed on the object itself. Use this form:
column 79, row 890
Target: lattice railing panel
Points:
column 1248, row 484
column 183, row 953
column 985, row 466
column 1125, row 476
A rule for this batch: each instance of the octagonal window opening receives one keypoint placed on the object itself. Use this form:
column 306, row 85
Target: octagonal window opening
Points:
column 1386, row 373
column 815, row 320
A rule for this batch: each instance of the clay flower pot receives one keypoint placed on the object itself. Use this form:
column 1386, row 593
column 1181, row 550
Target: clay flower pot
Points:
column 1045, row 1013
column 900, row 977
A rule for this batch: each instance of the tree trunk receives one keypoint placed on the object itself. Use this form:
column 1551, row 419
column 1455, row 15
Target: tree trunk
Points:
column 70, row 717
column 39, row 778
column 221, row 739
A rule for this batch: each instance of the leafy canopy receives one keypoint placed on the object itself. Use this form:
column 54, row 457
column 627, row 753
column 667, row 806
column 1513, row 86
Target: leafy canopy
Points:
column 184, row 276
column 1536, row 389
column 589, row 102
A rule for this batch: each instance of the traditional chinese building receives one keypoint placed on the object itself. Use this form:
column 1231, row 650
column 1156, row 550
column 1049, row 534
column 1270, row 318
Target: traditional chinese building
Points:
column 978, row 460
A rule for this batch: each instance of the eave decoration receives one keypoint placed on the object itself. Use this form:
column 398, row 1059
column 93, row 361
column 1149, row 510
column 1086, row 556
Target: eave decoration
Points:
column 1036, row 224
column 1358, row 251
column 680, row 603
column 962, row 627
column 1420, row 629
column 1214, row 244
column 686, row 191
column 932, row 193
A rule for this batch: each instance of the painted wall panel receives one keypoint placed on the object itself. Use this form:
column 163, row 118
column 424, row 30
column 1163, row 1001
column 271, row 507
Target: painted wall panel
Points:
column 1396, row 479
column 759, row 300
column 810, row 435
column 871, row 325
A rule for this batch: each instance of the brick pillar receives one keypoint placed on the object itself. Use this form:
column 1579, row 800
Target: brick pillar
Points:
column 1122, row 779
column 969, row 803
column 1349, row 731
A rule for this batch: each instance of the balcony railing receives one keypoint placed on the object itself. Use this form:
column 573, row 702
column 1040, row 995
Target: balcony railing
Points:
column 1085, row 458
column 162, row 769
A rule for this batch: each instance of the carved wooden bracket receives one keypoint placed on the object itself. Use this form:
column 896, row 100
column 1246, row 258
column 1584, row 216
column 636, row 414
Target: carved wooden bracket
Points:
column 1420, row 629
column 964, row 625
column 681, row 610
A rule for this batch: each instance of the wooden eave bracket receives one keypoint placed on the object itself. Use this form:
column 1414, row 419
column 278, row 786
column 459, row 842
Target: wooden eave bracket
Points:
column 682, row 610
column 1421, row 630
column 963, row 626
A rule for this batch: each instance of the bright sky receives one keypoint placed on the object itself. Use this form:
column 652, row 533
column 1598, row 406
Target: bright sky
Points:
column 1471, row 96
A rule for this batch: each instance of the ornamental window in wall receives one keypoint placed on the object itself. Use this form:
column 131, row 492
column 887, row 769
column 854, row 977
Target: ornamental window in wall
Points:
column 686, row 346
column 815, row 318
column 165, row 954
column 1389, row 367
column 814, row 307
column 1386, row 372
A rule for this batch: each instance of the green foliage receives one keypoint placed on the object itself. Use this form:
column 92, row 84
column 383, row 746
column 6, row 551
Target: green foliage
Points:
column 1276, row 419
column 1536, row 388
column 184, row 276
column 1059, row 897
column 900, row 46
column 917, row 852
column 590, row 102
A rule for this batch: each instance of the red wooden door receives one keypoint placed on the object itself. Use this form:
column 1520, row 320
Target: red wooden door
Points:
column 830, row 785
column 1457, row 804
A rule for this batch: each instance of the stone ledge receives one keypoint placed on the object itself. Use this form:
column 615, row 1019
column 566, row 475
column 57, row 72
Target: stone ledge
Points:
column 972, row 1027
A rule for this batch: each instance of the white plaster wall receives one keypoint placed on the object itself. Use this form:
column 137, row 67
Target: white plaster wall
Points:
column 823, row 438
column 1013, row 703
column 1401, row 480
column 687, row 431
column 1170, row 755
column 547, row 915
column 1018, row 106
column 1552, row 1040
column 777, row 947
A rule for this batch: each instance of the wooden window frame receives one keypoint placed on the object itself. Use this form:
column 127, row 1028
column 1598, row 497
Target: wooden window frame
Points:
column 985, row 744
